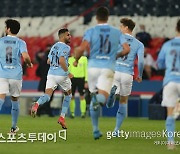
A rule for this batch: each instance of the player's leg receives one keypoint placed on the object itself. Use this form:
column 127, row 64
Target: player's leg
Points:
column 104, row 85
column 51, row 85
column 2, row 98
column 121, row 113
column 65, row 84
column 4, row 89
column 82, row 99
column 176, row 111
column 115, row 90
column 15, row 87
column 170, row 96
column 93, row 74
column 72, row 103
column 125, row 82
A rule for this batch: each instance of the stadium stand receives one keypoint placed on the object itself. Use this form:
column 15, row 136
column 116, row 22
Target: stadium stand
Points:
column 41, row 19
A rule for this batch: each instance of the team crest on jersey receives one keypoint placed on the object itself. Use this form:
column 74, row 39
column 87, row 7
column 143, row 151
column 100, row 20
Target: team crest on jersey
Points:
column 64, row 52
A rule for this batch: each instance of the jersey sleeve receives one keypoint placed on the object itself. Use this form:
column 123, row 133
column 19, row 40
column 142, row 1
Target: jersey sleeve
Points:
column 64, row 52
column 140, row 54
column 23, row 47
column 122, row 38
column 87, row 35
column 161, row 58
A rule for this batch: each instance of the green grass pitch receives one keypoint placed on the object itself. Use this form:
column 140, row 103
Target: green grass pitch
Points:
column 79, row 137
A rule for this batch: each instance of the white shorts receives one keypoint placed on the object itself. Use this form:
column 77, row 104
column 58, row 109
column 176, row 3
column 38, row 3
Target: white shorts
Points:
column 53, row 81
column 100, row 79
column 10, row 86
column 123, row 81
column 171, row 93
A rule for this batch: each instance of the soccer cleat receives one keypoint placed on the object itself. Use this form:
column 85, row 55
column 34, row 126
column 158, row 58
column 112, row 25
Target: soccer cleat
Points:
column 61, row 121
column 14, row 130
column 34, row 109
column 176, row 111
column 97, row 134
column 111, row 98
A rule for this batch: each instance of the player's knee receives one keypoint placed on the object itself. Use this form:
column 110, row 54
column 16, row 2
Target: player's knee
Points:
column 101, row 98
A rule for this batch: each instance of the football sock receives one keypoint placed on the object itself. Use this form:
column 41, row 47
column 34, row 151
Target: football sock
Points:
column 170, row 127
column 72, row 107
column 65, row 104
column 94, row 115
column 43, row 99
column 121, row 114
column 1, row 103
column 83, row 106
column 14, row 112
column 101, row 98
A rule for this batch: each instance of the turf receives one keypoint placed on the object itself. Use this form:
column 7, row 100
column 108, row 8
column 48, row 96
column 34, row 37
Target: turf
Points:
column 79, row 137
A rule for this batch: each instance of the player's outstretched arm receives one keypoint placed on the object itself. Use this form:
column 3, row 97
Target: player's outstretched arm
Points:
column 80, row 50
column 27, row 59
column 125, row 51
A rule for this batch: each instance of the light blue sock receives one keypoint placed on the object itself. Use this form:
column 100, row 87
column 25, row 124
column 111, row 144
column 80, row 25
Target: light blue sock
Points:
column 65, row 104
column 14, row 113
column 121, row 114
column 170, row 127
column 101, row 99
column 94, row 116
column 43, row 99
column 1, row 103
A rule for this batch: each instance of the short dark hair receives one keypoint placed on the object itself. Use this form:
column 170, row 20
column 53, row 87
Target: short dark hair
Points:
column 178, row 26
column 128, row 22
column 62, row 30
column 14, row 25
column 102, row 13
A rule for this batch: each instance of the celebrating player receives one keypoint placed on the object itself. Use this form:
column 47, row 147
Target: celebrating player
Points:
column 104, row 42
column 12, row 48
column 169, row 58
column 124, row 71
column 58, row 74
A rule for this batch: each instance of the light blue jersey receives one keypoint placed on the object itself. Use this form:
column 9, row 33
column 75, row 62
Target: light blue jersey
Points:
column 169, row 58
column 58, row 50
column 126, row 64
column 11, row 48
column 104, row 43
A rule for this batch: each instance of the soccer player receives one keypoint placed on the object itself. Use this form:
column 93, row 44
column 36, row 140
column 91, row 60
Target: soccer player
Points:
column 11, row 50
column 169, row 58
column 79, row 82
column 58, row 74
column 124, row 71
column 104, row 42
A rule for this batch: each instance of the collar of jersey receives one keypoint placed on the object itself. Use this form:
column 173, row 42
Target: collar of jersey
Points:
column 102, row 24
column 127, row 34
column 11, row 36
